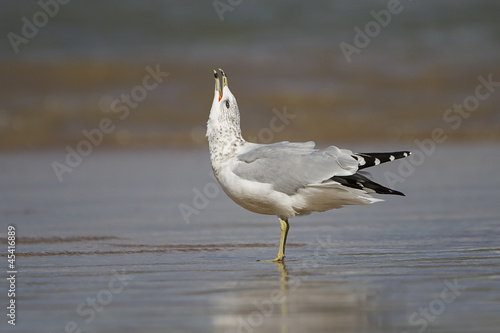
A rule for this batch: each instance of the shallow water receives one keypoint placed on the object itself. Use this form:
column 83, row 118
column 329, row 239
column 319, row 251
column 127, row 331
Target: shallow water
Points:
column 109, row 250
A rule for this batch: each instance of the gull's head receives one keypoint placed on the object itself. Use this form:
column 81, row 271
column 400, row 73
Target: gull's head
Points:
column 223, row 126
column 224, row 106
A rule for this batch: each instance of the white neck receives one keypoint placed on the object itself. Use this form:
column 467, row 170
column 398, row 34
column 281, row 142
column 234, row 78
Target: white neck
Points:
column 224, row 138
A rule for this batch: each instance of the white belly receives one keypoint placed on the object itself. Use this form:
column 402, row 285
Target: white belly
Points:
column 256, row 197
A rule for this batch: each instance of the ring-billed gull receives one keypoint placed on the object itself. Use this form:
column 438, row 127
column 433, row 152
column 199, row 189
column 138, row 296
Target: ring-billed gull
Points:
column 285, row 179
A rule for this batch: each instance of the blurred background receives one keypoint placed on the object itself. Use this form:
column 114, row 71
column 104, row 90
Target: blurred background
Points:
column 135, row 78
column 62, row 66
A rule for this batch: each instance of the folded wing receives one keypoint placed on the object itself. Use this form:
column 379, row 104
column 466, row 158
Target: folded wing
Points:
column 291, row 166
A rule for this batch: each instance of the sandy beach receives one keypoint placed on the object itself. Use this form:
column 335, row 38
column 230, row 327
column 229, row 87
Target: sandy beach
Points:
column 112, row 251
column 110, row 217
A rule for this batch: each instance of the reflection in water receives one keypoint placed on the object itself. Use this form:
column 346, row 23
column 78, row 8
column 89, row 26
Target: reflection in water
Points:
column 284, row 291
column 294, row 301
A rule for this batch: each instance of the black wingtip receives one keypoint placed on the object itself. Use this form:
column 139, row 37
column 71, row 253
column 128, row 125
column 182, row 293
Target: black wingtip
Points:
column 367, row 160
column 361, row 182
column 397, row 193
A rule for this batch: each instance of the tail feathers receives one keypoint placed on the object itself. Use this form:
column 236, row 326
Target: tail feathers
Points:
column 367, row 160
column 361, row 182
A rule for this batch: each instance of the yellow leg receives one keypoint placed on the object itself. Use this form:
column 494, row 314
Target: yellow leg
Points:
column 284, row 226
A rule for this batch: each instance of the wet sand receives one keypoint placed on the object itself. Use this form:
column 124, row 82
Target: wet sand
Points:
column 327, row 102
column 109, row 250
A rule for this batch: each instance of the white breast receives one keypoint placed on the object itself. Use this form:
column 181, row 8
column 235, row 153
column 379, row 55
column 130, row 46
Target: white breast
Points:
column 256, row 197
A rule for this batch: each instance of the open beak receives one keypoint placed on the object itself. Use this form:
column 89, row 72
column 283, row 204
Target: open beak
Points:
column 217, row 82
column 224, row 78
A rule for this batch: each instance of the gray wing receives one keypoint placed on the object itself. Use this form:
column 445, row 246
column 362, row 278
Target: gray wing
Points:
column 291, row 166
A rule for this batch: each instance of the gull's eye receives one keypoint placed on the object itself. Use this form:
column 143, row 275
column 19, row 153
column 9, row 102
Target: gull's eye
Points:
column 227, row 104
